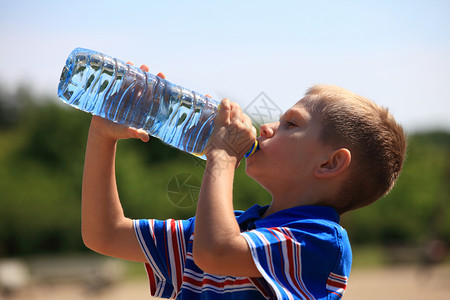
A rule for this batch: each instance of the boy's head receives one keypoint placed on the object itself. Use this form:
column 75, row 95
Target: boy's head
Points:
column 377, row 143
column 332, row 147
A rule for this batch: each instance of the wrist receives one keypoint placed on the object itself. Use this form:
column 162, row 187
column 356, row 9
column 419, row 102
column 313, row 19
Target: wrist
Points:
column 222, row 158
column 97, row 134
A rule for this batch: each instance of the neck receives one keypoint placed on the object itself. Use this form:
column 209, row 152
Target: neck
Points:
column 288, row 198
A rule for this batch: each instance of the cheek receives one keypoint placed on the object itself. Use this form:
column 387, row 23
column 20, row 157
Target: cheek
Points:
column 276, row 149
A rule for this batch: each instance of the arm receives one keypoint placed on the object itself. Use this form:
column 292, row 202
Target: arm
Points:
column 104, row 227
column 218, row 246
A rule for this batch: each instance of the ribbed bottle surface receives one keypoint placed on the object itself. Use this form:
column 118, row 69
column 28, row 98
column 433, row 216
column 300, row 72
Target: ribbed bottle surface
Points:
column 107, row 87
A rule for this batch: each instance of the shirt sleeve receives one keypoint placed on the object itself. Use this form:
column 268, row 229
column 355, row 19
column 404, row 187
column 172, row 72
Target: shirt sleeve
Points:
column 164, row 243
column 298, row 264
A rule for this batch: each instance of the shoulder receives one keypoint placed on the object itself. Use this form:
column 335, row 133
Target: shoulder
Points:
column 315, row 229
column 152, row 229
column 319, row 221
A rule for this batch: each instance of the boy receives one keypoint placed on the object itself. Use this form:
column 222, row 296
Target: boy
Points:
column 332, row 152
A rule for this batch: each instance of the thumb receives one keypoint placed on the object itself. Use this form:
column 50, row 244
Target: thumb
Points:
column 142, row 135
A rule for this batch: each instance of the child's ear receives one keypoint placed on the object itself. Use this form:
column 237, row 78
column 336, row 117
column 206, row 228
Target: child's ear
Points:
column 336, row 164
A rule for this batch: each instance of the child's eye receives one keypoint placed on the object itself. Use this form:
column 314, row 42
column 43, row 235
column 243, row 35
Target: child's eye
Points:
column 290, row 124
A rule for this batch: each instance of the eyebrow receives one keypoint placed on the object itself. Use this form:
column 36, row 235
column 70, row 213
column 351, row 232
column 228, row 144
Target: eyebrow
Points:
column 302, row 113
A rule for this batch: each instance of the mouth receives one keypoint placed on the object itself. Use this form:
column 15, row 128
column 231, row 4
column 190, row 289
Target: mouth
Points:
column 257, row 148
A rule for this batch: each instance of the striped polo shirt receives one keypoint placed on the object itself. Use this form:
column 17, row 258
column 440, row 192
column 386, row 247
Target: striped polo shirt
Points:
column 301, row 253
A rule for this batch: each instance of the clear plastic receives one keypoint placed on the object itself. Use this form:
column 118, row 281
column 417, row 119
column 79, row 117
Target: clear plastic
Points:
column 107, row 87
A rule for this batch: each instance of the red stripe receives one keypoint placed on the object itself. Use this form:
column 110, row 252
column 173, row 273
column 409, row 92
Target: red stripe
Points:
column 260, row 287
column 176, row 253
column 153, row 231
column 269, row 251
column 279, row 247
column 297, row 259
column 336, row 284
column 338, row 276
column 340, row 295
column 151, row 279
column 227, row 282
column 183, row 244
column 298, row 263
column 289, row 246
column 166, row 250
column 212, row 282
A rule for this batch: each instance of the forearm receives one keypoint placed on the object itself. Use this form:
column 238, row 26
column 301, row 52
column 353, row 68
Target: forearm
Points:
column 217, row 233
column 215, row 221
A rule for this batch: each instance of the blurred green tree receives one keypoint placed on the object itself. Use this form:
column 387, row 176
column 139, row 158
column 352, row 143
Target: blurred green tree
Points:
column 42, row 145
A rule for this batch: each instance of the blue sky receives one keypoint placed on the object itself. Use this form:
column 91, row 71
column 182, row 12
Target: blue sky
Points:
column 394, row 52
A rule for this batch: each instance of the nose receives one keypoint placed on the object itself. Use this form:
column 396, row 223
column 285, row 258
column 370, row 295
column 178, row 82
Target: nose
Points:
column 268, row 130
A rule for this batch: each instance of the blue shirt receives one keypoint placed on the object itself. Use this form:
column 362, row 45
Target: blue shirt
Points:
column 301, row 253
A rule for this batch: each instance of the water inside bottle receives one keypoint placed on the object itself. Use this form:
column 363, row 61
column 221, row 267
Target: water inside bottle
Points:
column 109, row 88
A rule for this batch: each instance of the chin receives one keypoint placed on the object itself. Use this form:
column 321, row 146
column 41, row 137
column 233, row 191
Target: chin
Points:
column 248, row 168
column 251, row 171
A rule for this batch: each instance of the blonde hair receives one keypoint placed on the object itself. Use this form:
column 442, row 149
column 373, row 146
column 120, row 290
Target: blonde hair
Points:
column 376, row 141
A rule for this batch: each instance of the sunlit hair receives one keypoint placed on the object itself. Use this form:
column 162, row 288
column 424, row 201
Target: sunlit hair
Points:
column 376, row 141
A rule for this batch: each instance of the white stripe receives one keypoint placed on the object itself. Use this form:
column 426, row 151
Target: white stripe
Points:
column 181, row 249
column 295, row 263
column 296, row 252
column 286, row 262
column 225, row 289
column 159, row 287
column 171, row 253
column 268, row 246
column 337, row 276
column 145, row 249
column 335, row 289
column 193, row 274
column 270, row 279
column 182, row 244
column 298, row 275
column 196, row 289
column 218, row 279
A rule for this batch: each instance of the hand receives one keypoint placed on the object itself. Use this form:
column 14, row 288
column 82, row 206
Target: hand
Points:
column 233, row 133
column 114, row 131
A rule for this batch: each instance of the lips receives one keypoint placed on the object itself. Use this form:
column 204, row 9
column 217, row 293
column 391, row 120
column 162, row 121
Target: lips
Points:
column 259, row 140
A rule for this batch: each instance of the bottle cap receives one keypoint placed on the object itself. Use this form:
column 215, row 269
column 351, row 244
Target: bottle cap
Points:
column 253, row 149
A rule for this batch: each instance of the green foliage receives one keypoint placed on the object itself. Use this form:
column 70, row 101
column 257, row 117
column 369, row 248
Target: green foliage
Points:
column 418, row 207
column 42, row 147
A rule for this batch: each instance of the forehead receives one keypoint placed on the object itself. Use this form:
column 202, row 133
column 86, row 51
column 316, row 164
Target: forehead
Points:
column 301, row 109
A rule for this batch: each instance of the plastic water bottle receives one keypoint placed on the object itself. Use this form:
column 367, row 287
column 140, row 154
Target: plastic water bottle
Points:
column 107, row 87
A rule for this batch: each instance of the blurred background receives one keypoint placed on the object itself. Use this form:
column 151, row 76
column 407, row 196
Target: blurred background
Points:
column 261, row 54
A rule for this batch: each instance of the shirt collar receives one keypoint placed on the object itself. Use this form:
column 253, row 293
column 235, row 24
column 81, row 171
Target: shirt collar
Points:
column 251, row 218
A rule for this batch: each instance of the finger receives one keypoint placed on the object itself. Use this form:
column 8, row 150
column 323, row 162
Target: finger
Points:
column 224, row 111
column 236, row 112
column 161, row 75
column 130, row 63
column 248, row 124
column 254, row 132
column 138, row 134
column 143, row 135
column 208, row 95
column 145, row 68
column 246, row 120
